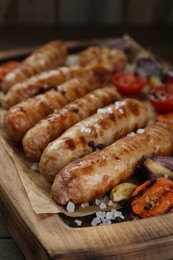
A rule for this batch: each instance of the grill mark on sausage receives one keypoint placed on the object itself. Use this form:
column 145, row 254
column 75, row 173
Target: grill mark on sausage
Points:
column 133, row 108
column 82, row 141
column 70, row 143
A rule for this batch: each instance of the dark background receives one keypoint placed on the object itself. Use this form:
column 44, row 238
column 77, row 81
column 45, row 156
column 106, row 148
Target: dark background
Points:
column 25, row 23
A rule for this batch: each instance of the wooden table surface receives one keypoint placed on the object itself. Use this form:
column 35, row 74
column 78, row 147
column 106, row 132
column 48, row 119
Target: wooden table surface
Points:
column 8, row 248
column 159, row 40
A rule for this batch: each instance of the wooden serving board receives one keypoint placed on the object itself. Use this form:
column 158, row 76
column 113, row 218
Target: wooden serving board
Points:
column 47, row 236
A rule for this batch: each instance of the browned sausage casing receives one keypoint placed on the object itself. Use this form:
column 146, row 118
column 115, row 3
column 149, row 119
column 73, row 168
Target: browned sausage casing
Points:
column 44, row 81
column 21, row 117
column 47, row 57
column 36, row 84
column 111, row 58
column 50, row 128
column 96, row 174
column 94, row 132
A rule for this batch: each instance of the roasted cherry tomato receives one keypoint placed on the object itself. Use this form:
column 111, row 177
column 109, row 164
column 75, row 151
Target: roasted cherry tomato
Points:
column 162, row 98
column 168, row 77
column 128, row 83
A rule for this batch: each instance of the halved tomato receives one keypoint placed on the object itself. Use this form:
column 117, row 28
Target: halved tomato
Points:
column 168, row 77
column 128, row 83
column 162, row 98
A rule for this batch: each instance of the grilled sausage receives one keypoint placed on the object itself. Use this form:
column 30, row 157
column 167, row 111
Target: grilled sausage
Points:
column 37, row 84
column 95, row 132
column 50, row 128
column 49, row 79
column 96, row 174
column 47, row 57
column 6, row 67
column 111, row 58
column 21, row 117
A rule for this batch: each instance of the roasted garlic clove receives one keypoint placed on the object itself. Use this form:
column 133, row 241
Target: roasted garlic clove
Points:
column 122, row 191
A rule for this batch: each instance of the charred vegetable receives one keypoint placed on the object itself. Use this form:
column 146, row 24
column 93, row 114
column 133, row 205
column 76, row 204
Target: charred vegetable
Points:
column 168, row 77
column 152, row 198
column 148, row 66
column 161, row 166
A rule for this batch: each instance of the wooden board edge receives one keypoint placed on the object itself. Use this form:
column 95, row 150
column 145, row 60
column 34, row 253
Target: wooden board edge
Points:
column 157, row 250
column 29, row 245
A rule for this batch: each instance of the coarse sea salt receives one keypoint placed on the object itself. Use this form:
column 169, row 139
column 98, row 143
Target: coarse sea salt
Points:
column 95, row 221
column 106, row 222
column 84, row 205
column 100, row 214
column 105, row 218
column 109, row 215
column 119, row 104
column 131, row 134
column 105, row 110
column 102, row 205
column 97, row 202
column 35, row 166
column 140, row 131
column 84, row 129
column 70, row 207
column 121, row 111
column 78, row 222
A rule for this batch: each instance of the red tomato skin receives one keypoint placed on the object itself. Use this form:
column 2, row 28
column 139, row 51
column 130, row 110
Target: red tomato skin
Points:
column 128, row 83
column 168, row 77
column 162, row 105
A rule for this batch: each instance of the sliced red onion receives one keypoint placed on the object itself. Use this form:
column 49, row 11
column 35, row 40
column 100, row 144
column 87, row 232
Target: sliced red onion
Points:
column 166, row 161
column 161, row 166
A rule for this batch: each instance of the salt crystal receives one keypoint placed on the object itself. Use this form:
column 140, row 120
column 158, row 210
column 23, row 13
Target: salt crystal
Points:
column 101, row 111
column 84, row 205
column 121, row 110
column 106, row 222
column 102, row 205
column 95, row 221
column 110, row 110
column 109, row 215
column 119, row 104
column 85, row 129
column 131, row 134
column 117, row 213
column 100, row 214
column 35, row 167
column 105, row 110
column 78, row 222
column 140, row 131
column 97, row 202
column 70, row 207
column 123, row 103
